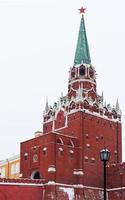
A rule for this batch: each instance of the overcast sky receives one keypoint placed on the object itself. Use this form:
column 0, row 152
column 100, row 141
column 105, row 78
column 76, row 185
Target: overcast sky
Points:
column 37, row 46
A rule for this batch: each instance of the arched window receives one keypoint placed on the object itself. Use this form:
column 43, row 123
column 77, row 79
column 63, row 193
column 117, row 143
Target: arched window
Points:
column 60, row 152
column 86, row 104
column 71, row 143
column 45, row 151
column 82, row 71
column 25, row 156
column 72, row 105
column 35, row 175
column 91, row 72
column 71, row 153
column 96, row 108
column 73, row 73
column 60, row 141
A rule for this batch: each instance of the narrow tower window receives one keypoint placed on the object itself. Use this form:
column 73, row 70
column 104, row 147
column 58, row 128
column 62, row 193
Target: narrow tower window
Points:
column 91, row 72
column 82, row 71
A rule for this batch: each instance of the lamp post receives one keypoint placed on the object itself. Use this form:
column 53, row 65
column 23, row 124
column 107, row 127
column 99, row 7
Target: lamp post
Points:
column 104, row 156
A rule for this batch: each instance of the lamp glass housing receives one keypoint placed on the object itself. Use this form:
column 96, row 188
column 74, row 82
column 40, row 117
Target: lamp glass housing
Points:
column 104, row 155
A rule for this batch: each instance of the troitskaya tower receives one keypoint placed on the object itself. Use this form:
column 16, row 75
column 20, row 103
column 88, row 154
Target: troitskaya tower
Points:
column 75, row 129
column 63, row 161
column 83, row 114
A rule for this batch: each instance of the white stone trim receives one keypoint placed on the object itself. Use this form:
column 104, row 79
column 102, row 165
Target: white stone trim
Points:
column 61, row 140
column 86, row 111
column 71, row 151
column 84, row 186
column 72, row 143
column 51, row 183
column 25, row 154
column 57, row 129
column 44, row 148
column 54, row 183
column 86, row 157
column 114, row 189
column 81, row 80
column 79, row 186
column 60, row 149
column 60, row 184
column 65, row 135
column 21, row 184
column 52, row 169
column 79, row 173
column 94, row 114
column 88, row 145
column 92, row 159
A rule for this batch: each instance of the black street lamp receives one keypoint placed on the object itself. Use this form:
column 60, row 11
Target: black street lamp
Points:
column 104, row 156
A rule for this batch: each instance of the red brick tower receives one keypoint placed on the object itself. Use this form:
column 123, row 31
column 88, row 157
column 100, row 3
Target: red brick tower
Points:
column 75, row 129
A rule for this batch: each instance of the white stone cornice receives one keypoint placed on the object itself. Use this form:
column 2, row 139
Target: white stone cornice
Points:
column 82, row 80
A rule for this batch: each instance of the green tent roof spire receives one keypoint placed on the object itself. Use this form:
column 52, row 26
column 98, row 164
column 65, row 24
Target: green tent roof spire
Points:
column 82, row 54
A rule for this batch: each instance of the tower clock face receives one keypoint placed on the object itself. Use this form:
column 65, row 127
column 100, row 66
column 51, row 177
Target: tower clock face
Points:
column 35, row 158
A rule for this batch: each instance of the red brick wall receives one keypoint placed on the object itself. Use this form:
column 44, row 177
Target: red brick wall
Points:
column 90, row 135
column 45, row 159
column 50, row 192
column 15, row 192
column 64, row 161
column 94, row 133
column 99, row 133
column 60, row 192
column 116, row 195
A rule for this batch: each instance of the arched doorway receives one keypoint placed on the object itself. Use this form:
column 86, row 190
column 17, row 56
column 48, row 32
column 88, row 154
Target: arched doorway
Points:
column 35, row 175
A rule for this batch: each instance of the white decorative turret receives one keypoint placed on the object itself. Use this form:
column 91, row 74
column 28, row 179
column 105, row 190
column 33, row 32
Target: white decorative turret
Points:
column 117, row 106
column 46, row 106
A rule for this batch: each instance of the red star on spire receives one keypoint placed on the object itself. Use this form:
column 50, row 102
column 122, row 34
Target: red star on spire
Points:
column 82, row 10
